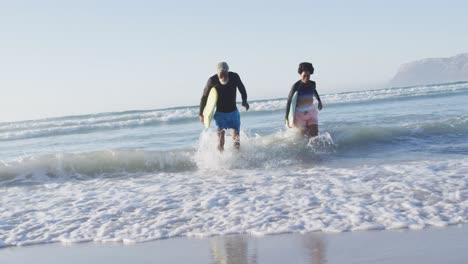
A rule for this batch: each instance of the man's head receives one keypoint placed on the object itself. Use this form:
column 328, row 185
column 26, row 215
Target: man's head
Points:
column 305, row 70
column 223, row 72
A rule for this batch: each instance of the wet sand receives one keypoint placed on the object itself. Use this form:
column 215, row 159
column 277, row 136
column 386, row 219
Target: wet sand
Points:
column 430, row 245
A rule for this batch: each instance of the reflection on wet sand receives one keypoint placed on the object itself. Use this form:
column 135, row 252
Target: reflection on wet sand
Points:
column 315, row 248
column 235, row 249
column 232, row 250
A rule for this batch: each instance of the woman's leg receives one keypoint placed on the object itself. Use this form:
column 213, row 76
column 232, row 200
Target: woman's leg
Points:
column 311, row 130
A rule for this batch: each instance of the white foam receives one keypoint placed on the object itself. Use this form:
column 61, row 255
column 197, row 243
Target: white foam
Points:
column 83, row 124
column 43, row 168
column 101, row 119
column 286, row 147
column 367, row 95
column 271, row 105
column 222, row 201
column 257, row 152
column 61, row 127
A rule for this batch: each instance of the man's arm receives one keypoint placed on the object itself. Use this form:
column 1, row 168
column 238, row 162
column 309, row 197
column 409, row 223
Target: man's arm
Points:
column 243, row 92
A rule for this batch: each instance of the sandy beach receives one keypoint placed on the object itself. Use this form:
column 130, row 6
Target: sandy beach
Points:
column 334, row 133
column 430, row 245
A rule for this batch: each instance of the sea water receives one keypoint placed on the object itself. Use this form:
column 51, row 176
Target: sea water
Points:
column 384, row 159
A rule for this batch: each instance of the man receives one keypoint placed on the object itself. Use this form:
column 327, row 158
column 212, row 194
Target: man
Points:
column 306, row 117
column 227, row 116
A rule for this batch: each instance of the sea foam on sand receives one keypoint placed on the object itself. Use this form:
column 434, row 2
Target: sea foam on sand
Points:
column 207, row 202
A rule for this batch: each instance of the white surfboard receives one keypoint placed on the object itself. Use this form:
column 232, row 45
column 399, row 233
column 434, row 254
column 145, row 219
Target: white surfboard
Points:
column 292, row 110
column 210, row 107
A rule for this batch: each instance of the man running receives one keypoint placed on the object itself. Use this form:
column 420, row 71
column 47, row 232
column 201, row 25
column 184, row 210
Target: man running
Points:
column 227, row 116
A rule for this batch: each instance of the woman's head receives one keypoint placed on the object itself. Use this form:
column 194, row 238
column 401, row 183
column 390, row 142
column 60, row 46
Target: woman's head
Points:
column 305, row 69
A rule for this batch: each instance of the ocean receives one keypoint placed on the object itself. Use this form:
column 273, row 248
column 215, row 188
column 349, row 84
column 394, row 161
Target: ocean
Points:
column 393, row 158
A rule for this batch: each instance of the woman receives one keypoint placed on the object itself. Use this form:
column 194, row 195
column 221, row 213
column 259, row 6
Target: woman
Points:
column 306, row 116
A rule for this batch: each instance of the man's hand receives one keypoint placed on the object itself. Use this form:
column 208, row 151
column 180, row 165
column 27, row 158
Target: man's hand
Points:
column 201, row 118
column 320, row 105
column 246, row 105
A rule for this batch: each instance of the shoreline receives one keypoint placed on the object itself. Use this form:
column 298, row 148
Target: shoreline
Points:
column 428, row 245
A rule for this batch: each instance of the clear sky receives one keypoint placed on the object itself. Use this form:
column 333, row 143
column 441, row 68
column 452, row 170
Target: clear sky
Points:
column 77, row 57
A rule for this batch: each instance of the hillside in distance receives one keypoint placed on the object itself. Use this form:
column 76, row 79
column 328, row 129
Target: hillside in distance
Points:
column 432, row 71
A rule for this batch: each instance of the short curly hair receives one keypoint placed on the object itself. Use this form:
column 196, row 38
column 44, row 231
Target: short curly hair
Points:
column 305, row 66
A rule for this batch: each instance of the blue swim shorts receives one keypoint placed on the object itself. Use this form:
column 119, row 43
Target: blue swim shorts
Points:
column 228, row 120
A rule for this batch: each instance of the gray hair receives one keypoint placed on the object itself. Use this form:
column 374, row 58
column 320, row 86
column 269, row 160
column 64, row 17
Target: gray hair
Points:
column 222, row 66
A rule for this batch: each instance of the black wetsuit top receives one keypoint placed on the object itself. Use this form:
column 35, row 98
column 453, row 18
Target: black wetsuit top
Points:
column 226, row 93
column 303, row 89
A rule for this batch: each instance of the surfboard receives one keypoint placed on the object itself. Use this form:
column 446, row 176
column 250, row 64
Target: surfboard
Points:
column 210, row 107
column 292, row 110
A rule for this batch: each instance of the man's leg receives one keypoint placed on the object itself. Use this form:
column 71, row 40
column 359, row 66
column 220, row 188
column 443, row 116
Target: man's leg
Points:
column 221, row 133
column 235, row 129
column 235, row 137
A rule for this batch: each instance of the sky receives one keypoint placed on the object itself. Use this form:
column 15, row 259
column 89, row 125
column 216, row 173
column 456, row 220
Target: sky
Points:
column 79, row 57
